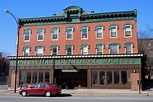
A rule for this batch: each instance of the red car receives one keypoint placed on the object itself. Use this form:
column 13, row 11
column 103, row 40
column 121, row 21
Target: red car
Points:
column 41, row 89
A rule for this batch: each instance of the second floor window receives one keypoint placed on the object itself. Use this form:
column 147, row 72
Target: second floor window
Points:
column 99, row 32
column 39, row 51
column 128, row 48
column 128, row 32
column 69, row 50
column 40, row 34
column 55, row 34
column 85, row 50
column 113, row 49
column 54, row 51
column 69, row 33
column 27, row 35
column 99, row 49
column 26, row 51
column 113, row 31
column 84, row 32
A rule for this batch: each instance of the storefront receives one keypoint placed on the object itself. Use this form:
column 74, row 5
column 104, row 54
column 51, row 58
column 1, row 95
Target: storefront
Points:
column 79, row 71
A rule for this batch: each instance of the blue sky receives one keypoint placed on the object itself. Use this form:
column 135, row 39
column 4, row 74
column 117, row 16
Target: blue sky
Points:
column 42, row 8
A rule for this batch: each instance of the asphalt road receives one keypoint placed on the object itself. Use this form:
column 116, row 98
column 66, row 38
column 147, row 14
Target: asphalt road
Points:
column 75, row 99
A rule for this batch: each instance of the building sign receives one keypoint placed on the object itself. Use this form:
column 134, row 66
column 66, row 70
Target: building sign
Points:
column 81, row 61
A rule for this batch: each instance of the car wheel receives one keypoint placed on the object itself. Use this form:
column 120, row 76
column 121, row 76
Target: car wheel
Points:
column 24, row 93
column 48, row 93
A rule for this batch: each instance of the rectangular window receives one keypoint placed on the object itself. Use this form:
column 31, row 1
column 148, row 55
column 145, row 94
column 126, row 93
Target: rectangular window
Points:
column 113, row 49
column 99, row 32
column 128, row 48
column 39, row 51
column 99, row 49
column 102, row 77
column 41, row 76
column 109, row 77
column 84, row 33
column 85, row 50
column 113, row 31
column 55, row 34
column 26, row 51
column 47, row 76
column 28, row 77
column 27, row 35
column 22, row 77
column 123, row 77
column 40, row 35
column 69, row 33
column 116, row 77
column 34, row 80
column 128, row 32
column 54, row 51
column 69, row 50
column 94, row 77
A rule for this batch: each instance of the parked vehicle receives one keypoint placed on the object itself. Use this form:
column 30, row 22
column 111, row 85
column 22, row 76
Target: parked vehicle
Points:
column 41, row 89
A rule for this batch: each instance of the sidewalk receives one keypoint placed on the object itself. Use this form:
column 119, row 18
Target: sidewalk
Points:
column 93, row 92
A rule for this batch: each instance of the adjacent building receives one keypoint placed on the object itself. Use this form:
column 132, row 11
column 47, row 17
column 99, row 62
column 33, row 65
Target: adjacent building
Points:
column 79, row 49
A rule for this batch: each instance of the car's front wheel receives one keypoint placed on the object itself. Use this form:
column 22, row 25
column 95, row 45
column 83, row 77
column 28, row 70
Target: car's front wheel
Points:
column 48, row 93
column 24, row 93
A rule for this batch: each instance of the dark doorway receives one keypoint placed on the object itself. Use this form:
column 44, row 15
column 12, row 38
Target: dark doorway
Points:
column 71, row 80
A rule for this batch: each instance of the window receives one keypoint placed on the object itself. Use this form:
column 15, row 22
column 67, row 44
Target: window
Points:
column 109, row 77
column 54, row 51
column 26, row 51
column 40, row 36
column 47, row 76
column 99, row 32
column 69, row 50
column 27, row 35
column 99, row 49
column 123, row 77
column 40, row 76
column 116, row 77
column 69, row 33
column 84, row 32
column 54, row 34
column 95, row 77
column 39, row 51
column 101, row 77
column 128, row 48
column 113, row 49
column 85, row 50
column 28, row 77
column 128, row 32
column 113, row 31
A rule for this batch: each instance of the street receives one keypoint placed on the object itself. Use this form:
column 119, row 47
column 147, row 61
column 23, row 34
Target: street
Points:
column 8, row 98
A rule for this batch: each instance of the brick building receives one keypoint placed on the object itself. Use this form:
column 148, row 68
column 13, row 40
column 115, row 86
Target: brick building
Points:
column 76, row 48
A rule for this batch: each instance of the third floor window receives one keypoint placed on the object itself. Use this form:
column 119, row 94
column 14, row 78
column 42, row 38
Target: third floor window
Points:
column 55, row 34
column 113, row 31
column 69, row 33
column 40, row 36
column 27, row 35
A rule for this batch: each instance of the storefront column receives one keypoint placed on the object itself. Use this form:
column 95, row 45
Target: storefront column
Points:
column 89, row 78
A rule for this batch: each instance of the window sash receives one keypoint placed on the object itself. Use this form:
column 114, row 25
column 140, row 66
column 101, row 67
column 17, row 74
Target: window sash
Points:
column 27, row 35
column 40, row 34
column 69, row 33
column 99, row 49
column 55, row 34
column 113, row 31
column 99, row 32
column 84, row 33
column 39, row 51
column 129, row 48
column 113, row 49
column 69, row 50
column 26, row 52
column 85, row 50
column 54, row 51
column 128, row 30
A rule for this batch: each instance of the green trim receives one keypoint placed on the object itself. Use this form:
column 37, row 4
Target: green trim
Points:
column 41, row 29
column 85, row 27
column 99, row 25
column 127, row 23
column 84, row 45
column 127, row 43
column 28, row 30
column 54, row 46
column 69, row 45
column 39, row 46
column 70, row 27
column 55, row 28
column 27, row 46
column 114, row 43
column 99, row 44
column 113, row 25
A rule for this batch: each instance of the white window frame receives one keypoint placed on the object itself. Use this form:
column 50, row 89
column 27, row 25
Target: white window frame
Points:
column 131, row 48
column 41, row 49
column 117, row 49
column 71, row 50
column 111, row 32
column 101, row 32
column 26, row 50
column 82, row 50
column 52, row 33
column 70, row 33
column 25, row 35
column 40, row 34
column 126, row 29
column 56, row 50
column 82, row 33
column 102, row 46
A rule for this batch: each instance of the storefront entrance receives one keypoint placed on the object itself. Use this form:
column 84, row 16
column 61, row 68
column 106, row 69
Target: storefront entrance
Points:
column 70, row 79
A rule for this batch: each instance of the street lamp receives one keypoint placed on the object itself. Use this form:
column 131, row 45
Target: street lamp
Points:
column 17, row 46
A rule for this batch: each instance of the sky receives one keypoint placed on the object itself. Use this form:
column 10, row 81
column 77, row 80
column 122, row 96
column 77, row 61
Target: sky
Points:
column 42, row 8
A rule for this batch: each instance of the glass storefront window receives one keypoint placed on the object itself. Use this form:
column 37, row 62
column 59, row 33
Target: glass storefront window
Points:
column 40, row 76
column 95, row 77
column 116, row 77
column 34, row 77
column 22, row 77
column 109, row 77
column 28, row 77
column 102, row 77
column 124, row 77
column 47, row 76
